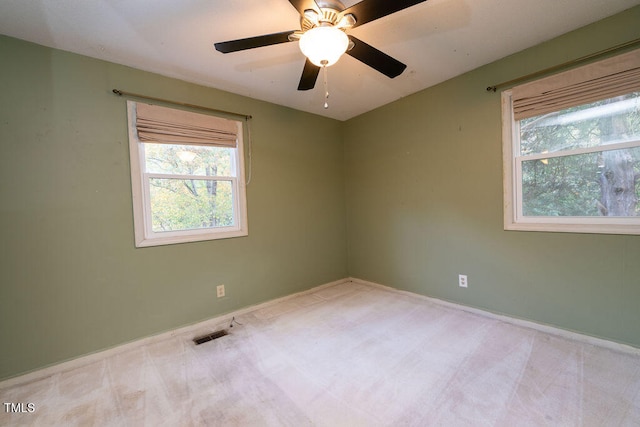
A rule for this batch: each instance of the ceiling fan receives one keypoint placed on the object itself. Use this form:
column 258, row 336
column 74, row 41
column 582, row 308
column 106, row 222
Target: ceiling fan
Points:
column 323, row 37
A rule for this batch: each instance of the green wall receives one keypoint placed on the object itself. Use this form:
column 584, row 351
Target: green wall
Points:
column 424, row 204
column 71, row 280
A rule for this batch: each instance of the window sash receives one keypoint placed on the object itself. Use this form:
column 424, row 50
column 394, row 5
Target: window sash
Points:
column 577, row 151
column 519, row 186
column 194, row 177
column 237, row 226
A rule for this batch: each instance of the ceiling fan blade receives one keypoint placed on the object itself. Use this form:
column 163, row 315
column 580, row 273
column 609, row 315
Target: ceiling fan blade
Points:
column 253, row 42
column 302, row 5
column 376, row 59
column 370, row 10
column 309, row 76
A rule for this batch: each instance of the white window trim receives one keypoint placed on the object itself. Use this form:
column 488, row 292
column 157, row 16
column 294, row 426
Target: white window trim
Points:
column 144, row 235
column 512, row 199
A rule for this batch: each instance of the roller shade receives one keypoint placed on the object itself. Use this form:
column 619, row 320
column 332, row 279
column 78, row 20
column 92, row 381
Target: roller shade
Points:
column 600, row 80
column 170, row 126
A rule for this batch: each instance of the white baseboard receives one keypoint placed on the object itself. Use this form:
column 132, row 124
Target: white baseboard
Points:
column 542, row 327
column 209, row 325
column 220, row 322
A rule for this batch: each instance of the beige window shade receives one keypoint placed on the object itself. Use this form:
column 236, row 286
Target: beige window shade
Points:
column 600, row 80
column 169, row 126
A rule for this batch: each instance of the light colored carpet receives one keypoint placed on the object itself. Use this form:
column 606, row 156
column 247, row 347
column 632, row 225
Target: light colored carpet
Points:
column 347, row 355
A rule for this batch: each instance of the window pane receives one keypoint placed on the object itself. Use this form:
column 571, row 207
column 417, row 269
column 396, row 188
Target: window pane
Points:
column 188, row 159
column 596, row 184
column 188, row 204
column 590, row 125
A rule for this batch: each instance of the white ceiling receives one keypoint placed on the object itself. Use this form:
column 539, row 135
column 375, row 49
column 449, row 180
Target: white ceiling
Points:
column 438, row 39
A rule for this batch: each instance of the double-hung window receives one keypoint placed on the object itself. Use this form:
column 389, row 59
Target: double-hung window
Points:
column 187, row 176
column 571, row 145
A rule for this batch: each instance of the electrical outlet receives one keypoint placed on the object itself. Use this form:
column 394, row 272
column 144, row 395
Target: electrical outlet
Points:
column 220, row 291
column 462, row 280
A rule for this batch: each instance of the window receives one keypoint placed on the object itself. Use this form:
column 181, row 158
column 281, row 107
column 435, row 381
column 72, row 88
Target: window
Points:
column 571, row 145
column 187, row 176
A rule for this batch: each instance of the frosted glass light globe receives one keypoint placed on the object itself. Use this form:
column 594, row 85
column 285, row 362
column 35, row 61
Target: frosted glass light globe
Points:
column 322, row 44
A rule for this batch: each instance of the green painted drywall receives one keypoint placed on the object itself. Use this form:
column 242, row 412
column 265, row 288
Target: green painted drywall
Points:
column 424, row 204
column 71, row 280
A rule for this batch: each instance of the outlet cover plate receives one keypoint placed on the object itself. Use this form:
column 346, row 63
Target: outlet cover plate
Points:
column 462, row 280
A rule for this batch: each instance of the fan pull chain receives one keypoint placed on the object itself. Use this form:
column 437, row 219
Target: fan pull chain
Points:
column 326, row 87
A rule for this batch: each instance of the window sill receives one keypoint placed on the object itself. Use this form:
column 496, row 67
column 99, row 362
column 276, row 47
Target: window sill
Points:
column 143, row 242
column 569, row 225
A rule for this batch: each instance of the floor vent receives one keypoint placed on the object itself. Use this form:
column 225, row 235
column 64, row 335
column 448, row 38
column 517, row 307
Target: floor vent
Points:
column 210, row 337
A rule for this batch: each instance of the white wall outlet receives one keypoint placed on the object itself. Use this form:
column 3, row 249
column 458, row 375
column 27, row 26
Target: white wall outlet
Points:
column 220, row 291
column 462, row 280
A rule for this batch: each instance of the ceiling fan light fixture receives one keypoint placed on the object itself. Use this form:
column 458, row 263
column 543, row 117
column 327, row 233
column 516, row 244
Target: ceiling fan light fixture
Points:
column 324, row 45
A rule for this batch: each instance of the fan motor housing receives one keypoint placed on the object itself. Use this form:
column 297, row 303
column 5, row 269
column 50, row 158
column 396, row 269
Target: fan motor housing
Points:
column 330, row 4
column 330, row 13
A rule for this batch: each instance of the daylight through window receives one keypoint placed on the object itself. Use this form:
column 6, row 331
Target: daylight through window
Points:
column 572, row 150
column 187, row 176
